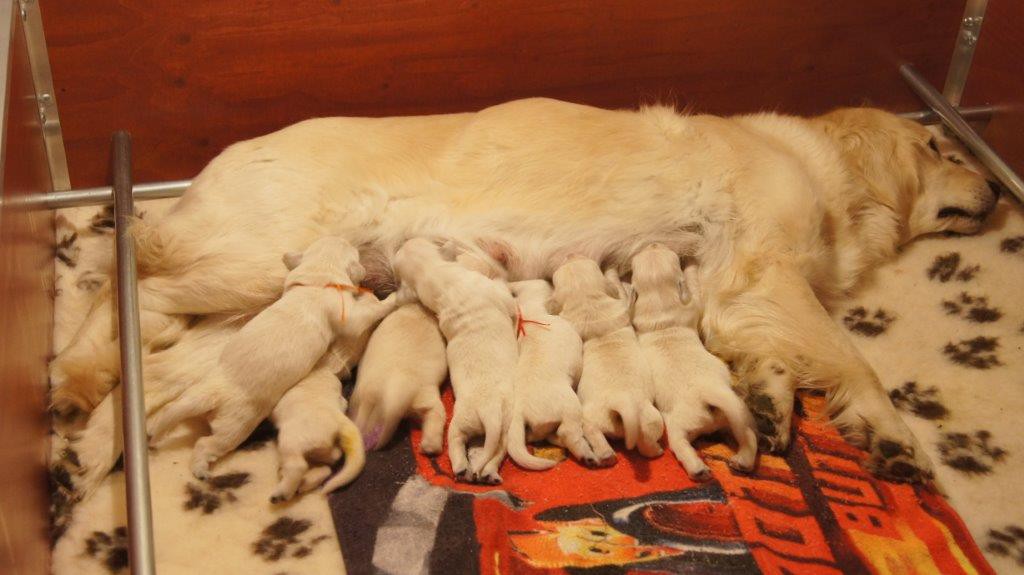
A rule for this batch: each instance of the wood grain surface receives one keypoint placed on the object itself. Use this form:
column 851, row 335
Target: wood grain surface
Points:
column 26, row 314
column 188, row 78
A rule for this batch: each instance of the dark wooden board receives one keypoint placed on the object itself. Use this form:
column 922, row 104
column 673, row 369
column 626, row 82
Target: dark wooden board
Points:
column 189, row 78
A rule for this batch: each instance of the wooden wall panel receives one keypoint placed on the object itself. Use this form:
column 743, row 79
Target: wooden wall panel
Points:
column 26, row 317
column 189, row 78
column 997, row 78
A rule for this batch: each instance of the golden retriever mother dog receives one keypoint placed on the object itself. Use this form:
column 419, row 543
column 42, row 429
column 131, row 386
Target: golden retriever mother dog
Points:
column 784, row 214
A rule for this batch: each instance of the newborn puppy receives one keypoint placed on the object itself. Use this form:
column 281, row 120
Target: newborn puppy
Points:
column 688, row 380
column 312, row 427
column 550, row 360
column 277, row 348
column 615, row 385
column 400, row 374
column 475, row 315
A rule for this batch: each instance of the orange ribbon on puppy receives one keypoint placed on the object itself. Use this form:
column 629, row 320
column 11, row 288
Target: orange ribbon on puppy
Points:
column 521, row 322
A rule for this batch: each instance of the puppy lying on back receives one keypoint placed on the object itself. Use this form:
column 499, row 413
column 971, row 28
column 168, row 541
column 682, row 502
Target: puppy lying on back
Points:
column 277, row 348
column 476, row 316
column 615, row 387
column 400, row 374
column 688, row 380
column 550, row 360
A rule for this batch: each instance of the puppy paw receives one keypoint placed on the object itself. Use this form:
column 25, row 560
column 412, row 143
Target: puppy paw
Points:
column 889, row 458
column 701, row 475
column 741, row 464
column 431, row 445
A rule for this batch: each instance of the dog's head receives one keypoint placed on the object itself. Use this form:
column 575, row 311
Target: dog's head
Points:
column 531, row 291
column 924, row 179
column 330, row 259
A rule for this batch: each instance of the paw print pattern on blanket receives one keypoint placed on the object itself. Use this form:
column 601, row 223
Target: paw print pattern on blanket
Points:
column 972, row 454
column 924, row 402
column 977, row 353
column 861, row 321
column 972, row 308
column 111, row 548
column 67, row 249
column 282, row 538
column 1007, row 542
column 947, row 267
column 1012, row 245
column 211, row 494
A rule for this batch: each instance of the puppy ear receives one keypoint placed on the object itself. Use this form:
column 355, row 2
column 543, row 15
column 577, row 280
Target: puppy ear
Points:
column 449, row 250
column 292, row 260
column 356, row 272
column 613, row 285
column 555, row 303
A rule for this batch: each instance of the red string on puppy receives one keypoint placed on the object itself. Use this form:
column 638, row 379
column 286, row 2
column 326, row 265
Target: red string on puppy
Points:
column 341, row 288
column 522, row 321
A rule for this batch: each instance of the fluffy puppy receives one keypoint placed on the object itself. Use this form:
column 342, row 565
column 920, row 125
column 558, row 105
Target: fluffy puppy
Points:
column 615, row 387
column 687, row 379
column 475, row 315
column 277, row 348
column 550, row 361
column 400, row 374
column 312, row 427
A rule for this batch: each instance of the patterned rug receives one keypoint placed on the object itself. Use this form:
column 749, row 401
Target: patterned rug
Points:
column 941, row 325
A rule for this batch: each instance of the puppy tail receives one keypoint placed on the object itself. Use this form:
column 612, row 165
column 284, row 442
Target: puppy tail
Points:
column 194, row 402
column 355, row 455
column 516, row 444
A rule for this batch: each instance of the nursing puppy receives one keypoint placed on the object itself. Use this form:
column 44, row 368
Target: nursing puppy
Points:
column 550, row 362
column 615, row 385
column 692, row 388
column 401, row 374
column 277, row 348
column 476, row 316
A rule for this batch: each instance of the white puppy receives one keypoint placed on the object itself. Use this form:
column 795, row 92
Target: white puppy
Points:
column 475, row 315
column 277, row 348
column 400, row 374
column 688, row 380
column 312, row 427
column 550, row 361
column 615, row 385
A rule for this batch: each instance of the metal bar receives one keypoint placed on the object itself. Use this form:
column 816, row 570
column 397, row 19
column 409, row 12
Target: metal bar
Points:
column 972, row 114
column 98, row 196
column 46, row 99
column 963, row 53
column 963, row 131
column 133, row 413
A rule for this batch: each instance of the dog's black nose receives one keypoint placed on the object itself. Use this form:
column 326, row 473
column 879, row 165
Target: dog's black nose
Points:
column 996, row 187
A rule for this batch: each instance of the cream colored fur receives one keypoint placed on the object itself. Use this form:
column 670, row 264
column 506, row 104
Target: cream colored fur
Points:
column 401, row 374
column 692, row 388
column 276, row 349
column 615, row 387
column 476, row 316
column 550, row 362
column 783, row 213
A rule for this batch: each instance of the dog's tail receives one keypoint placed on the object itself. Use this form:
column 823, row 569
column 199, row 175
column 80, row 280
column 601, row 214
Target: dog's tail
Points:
column 355, row 454
column 154, row 248
column 516, row 444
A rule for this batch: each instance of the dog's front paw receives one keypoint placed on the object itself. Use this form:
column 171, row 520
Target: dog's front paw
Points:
column 892, row 459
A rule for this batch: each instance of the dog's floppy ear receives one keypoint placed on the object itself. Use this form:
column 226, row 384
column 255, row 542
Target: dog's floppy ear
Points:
column 449, row 250
column 555, row 303
column 356, row 272
column 613, row 284
column 292, row 260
